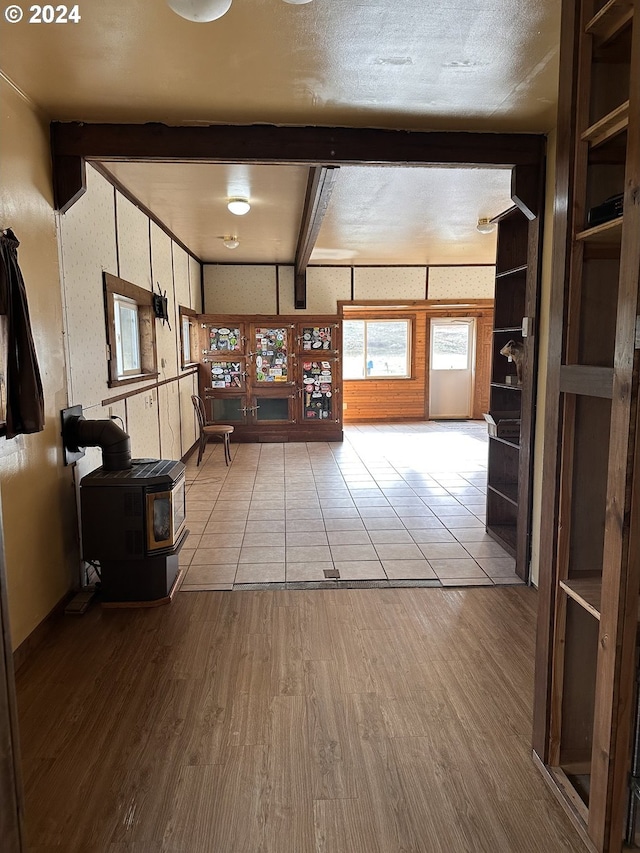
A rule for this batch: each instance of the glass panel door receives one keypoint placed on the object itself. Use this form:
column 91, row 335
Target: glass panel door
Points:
column 271, row 354
column 223, row 339
column 318, row 390
column 451, row 367
column 317, row 338
column 228, row 374
column 272, row 409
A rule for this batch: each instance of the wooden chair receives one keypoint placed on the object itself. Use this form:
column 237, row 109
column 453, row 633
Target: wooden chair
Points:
column 221, row 431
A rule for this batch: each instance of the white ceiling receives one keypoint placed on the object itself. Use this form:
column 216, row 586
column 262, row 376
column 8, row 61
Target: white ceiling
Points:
column 419, row 64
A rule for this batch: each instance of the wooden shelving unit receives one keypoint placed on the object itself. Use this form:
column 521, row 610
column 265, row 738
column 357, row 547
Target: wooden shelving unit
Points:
column 590, row 549
column 515, row 310
column 272, row 377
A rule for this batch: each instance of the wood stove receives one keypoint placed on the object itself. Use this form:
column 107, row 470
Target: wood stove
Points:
column 133, row 524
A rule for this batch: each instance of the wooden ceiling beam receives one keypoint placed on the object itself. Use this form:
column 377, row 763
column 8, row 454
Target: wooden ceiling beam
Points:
column 323, row 146
column 319, row 189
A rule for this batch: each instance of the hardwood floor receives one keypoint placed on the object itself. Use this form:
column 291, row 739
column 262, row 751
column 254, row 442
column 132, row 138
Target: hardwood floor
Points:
column 326, row 721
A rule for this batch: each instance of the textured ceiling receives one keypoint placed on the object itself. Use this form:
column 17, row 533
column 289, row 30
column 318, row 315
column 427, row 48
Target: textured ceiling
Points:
column 419, row 64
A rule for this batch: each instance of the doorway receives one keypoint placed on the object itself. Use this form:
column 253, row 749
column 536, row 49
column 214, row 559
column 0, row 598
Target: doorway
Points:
column 451, row 367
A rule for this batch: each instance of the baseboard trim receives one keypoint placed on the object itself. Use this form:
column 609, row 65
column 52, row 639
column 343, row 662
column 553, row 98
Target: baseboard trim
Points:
column 39, row 634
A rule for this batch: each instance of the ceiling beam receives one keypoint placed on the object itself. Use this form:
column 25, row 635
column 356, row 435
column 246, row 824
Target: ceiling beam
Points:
column 319, row 189
column 267, row 144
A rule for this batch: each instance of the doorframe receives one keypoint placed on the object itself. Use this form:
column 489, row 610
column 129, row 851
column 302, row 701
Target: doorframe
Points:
column 11, row 794
column 472, row 322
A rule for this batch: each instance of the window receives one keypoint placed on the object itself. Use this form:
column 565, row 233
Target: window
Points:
column 188, row 337
column 450, row 345
column 131, row 335
column 127, row 336
column 376, row 349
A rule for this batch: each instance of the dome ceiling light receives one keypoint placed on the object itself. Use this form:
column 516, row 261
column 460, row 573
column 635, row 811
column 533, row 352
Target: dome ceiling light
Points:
column 200, row 11
column 203, row 11
column 485, row 225
column 239, row 206
column 231, row 242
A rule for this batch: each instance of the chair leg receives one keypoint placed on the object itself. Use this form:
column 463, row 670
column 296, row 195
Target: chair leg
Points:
column 203, row 441
column 227, row 454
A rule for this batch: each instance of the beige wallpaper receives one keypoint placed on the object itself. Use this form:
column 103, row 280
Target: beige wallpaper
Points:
column 325, row 286
column 133, row 243
column 182, row 285
column 88, row 241
column 461, row 282
column 239, row 289
column 166, row 337
column 390, row 282
column 169, row 407
column 194, row 284
column 142, row 424
column 188, row 386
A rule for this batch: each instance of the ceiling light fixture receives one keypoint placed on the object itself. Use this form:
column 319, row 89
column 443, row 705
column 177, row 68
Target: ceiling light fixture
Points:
column 239, row 206
column 297, row 2
column 485, row 225
column 231, row 242
column 200, row 11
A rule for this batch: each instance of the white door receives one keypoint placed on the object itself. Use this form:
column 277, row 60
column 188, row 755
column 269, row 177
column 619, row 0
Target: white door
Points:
column 451, row 367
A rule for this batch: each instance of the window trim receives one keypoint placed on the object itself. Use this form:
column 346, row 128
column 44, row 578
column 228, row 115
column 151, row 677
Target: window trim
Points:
column 368, row 317
column 114, row 286
column 193, row 325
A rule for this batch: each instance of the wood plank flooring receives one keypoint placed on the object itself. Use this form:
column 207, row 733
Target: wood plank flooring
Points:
column 325, row 721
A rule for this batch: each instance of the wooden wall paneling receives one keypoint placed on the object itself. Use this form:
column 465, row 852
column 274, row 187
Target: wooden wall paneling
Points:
column 408, row 399
column 621, row 577
column 562, row 233
column 484, row 342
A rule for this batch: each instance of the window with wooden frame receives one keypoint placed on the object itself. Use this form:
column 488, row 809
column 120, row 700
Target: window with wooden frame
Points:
column 188, row 338
column 131, row 331
column 377, row 348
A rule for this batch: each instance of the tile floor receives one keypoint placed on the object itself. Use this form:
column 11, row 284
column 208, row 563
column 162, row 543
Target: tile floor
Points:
column 394, row 504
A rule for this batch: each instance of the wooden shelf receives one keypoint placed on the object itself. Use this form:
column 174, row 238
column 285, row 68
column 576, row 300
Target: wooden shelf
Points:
column 506, row 385
column 607, row 232
column 505, row 273
column 608, row 126
column 506, row 535
column 610, row 19
column 586, row 591
column 506, row 441
column 586, row 380
column 508, row 491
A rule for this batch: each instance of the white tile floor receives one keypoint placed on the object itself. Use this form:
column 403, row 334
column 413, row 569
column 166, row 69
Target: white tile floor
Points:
column 394, row 504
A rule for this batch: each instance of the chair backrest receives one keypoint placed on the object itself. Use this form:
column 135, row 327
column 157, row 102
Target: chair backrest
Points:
column 198, row 405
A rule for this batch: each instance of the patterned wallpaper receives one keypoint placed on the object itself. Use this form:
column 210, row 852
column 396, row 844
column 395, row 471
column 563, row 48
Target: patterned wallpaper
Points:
column 188, row 386
column 169, row 406
column 142, row 424
column 239, row 289
column 162, row 268
column 133, row 243
column 461, row 282
column 250, row 289
column 87, row 236
column 194, row 284
column 325, row 286
column 182, row 285
column 389, row 282
column 88, row 242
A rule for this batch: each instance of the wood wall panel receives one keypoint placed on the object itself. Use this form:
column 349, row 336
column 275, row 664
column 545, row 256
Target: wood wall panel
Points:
column 407, row 399
column 484, row 340
column 391, row 399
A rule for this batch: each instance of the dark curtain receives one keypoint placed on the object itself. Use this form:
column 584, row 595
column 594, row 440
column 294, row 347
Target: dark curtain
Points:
column 25, row 400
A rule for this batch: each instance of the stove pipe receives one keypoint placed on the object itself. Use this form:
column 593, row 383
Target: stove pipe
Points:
column 106, row 434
